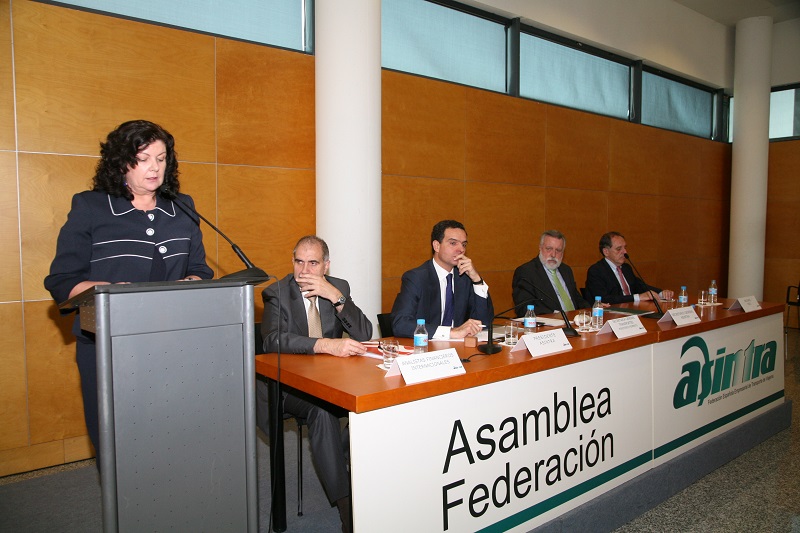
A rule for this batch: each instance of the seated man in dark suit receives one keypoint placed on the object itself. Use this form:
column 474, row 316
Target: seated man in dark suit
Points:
column 548, row 274
column 308, row 312
column 447, row 291
column 613, row 279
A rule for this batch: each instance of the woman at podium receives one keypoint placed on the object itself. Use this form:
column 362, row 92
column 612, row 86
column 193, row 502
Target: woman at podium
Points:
column 126, row 229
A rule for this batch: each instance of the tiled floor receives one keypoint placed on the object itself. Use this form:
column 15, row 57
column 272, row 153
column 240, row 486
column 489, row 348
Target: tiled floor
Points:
column 758, row 491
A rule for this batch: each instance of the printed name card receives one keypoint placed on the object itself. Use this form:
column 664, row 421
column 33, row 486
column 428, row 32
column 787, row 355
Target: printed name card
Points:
column 543, row 343
column 681, row 316
column 427, row 366
column 627, row 326
column 747, row 304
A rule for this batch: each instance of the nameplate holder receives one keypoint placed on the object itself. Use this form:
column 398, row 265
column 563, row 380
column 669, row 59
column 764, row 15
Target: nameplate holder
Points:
column 627, row 326
column 746, row 304
column 543, row 343
column 427, row 366
column 681, row 316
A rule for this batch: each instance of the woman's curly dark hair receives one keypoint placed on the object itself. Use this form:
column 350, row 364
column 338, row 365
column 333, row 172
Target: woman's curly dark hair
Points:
column 118, row 155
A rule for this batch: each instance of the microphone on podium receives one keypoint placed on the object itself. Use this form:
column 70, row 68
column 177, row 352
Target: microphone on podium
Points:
column 654, row 296
column 251, row 273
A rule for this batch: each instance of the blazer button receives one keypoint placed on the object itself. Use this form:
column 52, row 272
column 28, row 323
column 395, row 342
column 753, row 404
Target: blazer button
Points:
column 162, row 250
column 150, row 231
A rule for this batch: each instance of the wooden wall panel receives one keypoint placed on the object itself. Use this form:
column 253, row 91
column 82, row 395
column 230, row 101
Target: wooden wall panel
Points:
column 636, row 159
column 505, row 139
column 47, row 183
column 31, row 457
column 423, row 127
column 265, row 211
column 783, row 201
column 54, row 399
column 11, row 280
column 265, row 106
column 79, row 75
column 408, row 216
column 577, row 149
column 7, row 137
column 576, row 213
column 13, row 389
column 638, row 217
column 500, row 219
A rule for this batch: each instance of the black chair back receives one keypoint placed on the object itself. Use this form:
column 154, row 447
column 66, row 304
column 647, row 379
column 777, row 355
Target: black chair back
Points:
column 385, row 323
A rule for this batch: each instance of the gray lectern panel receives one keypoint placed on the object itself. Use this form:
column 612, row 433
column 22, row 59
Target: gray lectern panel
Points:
column 167, row 386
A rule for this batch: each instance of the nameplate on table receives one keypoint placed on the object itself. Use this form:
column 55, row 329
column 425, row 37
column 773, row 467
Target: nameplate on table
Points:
column 746, row 304
column 543, row 343
column 681, row 316
column 624, row 327
column 427, row 366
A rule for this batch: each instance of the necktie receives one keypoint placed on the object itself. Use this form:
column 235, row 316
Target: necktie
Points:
column 447, row 318
column 314, row 322
column 568, row 306
column 625, row 289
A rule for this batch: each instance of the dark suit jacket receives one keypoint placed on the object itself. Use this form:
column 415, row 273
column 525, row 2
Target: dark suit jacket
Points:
column 420, row 297
column 602, row 281
column 291, row 316
column 536, row 274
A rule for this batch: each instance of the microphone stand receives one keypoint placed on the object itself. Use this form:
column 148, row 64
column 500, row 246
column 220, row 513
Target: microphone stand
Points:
column 654, row 296
column 569, row 331
column 490, row 347
column 252, row 273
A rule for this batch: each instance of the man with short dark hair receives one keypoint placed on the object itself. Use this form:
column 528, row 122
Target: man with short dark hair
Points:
column 309, row 312
column 549, row 274
column 447, row 291
column 613, row 279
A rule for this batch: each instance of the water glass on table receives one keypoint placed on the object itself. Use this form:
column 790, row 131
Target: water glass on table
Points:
column 389, row 349
column 583, row 320
column 512, row 333
column 702, row 297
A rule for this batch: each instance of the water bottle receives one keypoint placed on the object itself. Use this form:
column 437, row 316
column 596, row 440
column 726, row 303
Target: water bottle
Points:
column 529, row 322
column 683, row 298
column 420, row 337
column 597, row 314
column 712, row 292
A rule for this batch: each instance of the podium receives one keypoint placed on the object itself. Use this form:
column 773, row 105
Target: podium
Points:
column 176, row 382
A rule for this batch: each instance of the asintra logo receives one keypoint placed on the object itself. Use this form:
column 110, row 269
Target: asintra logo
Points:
column 727, row 373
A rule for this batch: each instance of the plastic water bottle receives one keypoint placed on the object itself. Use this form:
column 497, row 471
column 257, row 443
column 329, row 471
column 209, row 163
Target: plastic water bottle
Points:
column 420, row 337
column 712, row 292
column 683, row 298
column 529, row 322
column 597, row 314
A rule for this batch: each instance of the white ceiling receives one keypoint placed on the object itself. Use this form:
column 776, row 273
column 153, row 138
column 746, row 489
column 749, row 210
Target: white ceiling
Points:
column 729, row 12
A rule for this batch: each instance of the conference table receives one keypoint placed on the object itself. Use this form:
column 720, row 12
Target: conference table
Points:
column 516, row 441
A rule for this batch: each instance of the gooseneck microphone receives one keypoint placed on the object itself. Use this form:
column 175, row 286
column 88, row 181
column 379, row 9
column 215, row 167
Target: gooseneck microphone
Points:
column 654, row 296
column 251, row 273
column 490, row 347
column 569, row 331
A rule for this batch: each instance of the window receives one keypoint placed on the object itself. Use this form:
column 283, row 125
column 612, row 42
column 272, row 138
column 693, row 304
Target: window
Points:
column 274, row 22
column 784, row 113
column 673, row 105
column 440, row 42
column 554, row 73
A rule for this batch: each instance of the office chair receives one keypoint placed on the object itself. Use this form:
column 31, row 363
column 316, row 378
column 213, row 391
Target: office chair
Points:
column 385, row 323
column 262, row 410
column 792, row 301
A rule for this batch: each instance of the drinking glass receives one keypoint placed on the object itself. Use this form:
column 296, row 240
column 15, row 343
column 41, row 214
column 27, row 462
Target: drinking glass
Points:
column 583, row 320
column 512, row 333
column 389, row 350
column 702, row 297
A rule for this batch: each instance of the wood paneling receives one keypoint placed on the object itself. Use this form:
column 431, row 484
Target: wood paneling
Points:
column 265, row 106
column 200, row 182
column 575, row 213
column 501, row 221
column 264, row 211
column 11, row 280
column 79, row 75
column 13, row 389
column 638, row 217
column 423, row 127
column 577, row 149
column 636, row 160
column 505, row 139
column 47, row 183
column 7, row 141
column 31, row 457
column 54, row 399
column 77, row 449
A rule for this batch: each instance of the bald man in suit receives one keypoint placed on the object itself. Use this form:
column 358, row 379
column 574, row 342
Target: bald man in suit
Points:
column 307, row 312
